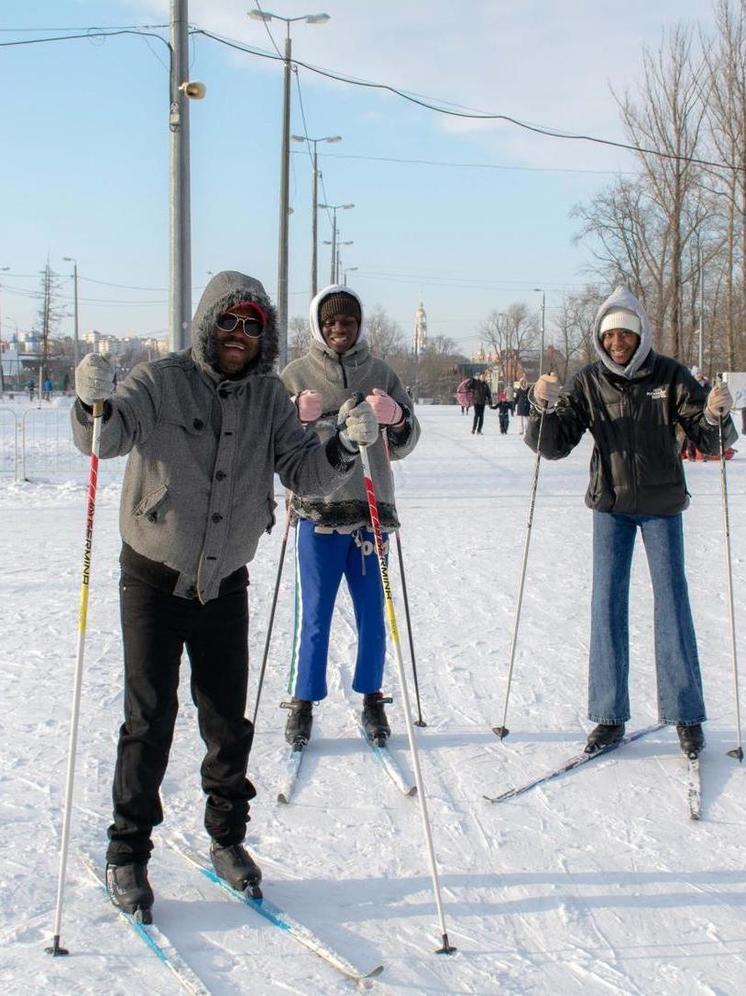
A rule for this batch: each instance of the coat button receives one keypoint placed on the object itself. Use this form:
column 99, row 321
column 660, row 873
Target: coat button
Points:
column 220, row 476
column 217, row 517
column 191, row 592
column 198, row 424
column 152, row 516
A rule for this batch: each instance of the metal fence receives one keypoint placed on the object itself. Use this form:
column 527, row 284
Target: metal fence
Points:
column 36, row 445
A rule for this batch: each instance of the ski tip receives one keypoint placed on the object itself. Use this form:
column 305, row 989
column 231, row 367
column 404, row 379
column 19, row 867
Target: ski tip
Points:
column 500, row 731
column 374, row 972
column 737, row 753
column 411, row 791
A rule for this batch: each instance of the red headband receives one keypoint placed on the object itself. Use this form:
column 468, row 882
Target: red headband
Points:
column 254, row 309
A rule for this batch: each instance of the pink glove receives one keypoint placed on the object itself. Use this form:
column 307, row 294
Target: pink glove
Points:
column 387, row 411
column 308, row 404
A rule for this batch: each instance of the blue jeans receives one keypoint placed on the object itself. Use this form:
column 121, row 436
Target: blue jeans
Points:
column 680, row 698
column 322, row 560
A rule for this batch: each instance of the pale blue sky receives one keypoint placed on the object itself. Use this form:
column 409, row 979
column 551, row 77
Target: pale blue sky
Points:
column 84, row 169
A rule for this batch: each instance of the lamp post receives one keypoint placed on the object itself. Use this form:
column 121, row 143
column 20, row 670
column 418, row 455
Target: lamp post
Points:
column 4, row 269
column 347, row 269
column 538, row 290
column 314, row 205
column 282, row 252
column 334, row 208
column 338, row 269
column 76, row 331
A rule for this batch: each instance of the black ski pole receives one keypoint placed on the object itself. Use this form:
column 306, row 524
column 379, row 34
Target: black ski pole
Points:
column 737, row 751
column 419, row 721
column 503, row 731
column 270, row 624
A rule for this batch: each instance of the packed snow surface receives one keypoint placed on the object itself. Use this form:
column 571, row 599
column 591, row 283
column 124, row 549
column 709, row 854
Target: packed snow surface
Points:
column 596, row 883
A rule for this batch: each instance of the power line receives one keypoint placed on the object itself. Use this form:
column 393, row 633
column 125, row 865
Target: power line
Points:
column 440, row 108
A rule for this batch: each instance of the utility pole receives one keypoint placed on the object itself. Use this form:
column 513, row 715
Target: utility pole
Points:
column 282, row 255
column 701, row 355
column 76, row 330
column 538, row 290
column 180, row 251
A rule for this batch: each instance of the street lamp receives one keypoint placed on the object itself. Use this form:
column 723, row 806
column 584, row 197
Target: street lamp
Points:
column 334, row 208
column 76, row 333
column 347, row 269
column 3, row 269
column 538, row 290
column 314, row 199
column 282, row 253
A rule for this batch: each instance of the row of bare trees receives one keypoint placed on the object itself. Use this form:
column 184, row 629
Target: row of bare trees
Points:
column 675, row 233
column 431, row 374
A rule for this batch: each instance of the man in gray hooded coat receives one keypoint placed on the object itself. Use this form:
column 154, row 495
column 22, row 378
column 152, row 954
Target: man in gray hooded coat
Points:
column 631, row 401
column 205, row 429
column 333, row 536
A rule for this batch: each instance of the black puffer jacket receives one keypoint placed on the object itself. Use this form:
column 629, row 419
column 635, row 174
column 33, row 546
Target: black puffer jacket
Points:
column 635, row 466
column 480, row 390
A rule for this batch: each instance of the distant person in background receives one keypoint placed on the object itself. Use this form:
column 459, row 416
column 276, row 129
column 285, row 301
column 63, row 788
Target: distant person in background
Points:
column 740, row 402
column 689, row 450
column 30, row 389
column 631, row 401
column 504, row 408
column 464, row 396
column 522, row 405
column 48, row 387
column 481, row 396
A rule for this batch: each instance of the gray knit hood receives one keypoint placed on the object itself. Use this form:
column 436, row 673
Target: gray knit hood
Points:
column 623, row 298
column 224, row 291
column 316, row 334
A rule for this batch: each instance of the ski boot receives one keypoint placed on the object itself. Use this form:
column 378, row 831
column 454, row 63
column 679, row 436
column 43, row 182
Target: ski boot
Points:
column 692, row 739
column 234, row 864
column 375, row 724
column 129, row 890
column 604, row 735
column 300, row 721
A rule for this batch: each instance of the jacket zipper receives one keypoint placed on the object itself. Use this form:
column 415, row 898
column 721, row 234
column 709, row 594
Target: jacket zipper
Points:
column 344, row 372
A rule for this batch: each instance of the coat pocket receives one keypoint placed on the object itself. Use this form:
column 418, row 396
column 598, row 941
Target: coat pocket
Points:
column 149, row 505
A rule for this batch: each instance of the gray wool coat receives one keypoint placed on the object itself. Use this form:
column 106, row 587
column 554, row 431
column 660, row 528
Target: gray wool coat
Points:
column 338, row 377
column 198, row 487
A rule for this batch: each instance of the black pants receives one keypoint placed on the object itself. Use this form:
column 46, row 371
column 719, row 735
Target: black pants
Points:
column 478, row 422
column 504, row 418
column 156, row 627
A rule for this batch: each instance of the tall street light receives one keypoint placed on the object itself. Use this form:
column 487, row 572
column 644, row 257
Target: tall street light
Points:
column 4, row 269
column 76, row 333
column 314, row 205
column 282, row 253
column 338, row 269
column 334, row 208
column 347, row 269
column 538, row 290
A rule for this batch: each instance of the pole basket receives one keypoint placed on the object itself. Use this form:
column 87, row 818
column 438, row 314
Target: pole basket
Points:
column 500, row 731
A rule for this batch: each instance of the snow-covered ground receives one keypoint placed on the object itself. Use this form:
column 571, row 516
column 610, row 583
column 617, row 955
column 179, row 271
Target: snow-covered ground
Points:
column 596, row 883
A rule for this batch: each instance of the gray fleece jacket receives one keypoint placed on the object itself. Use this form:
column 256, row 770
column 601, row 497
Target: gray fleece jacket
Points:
column 198, row 487
column 337, row 377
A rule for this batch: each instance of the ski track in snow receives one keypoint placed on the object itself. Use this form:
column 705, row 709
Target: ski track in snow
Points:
column 595, row 883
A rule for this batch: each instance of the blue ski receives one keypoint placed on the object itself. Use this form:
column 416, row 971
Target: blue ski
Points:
column 155, row 939
column 277, row 917
column 574, row 762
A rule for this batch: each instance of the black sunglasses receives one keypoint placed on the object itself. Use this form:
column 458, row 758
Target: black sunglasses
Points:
column 250, row 326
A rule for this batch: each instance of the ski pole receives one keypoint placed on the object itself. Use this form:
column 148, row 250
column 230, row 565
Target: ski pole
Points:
column 270, row 625
column 419, row 721
column 370, row 491
column 98, row 409
column 737, row 751
column 503, row 731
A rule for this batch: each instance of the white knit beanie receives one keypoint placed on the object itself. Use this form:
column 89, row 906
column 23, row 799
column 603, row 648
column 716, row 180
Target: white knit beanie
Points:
column 620, row 318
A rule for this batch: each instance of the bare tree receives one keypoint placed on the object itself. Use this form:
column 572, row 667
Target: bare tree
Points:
column 511, row 334
column 667, row 117
column 384, row 334
column 299, row 337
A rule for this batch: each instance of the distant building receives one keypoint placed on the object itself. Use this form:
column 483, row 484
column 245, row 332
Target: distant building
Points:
column 419, row 342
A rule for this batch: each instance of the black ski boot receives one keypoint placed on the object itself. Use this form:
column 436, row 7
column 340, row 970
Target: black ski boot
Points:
column 375, row 724
column 234, row 864
column 604, row 735
column 300, row 721
column 129, row 890
column 691, row 738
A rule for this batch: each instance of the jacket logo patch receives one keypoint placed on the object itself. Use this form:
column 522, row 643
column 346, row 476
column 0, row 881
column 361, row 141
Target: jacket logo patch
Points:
column 659, row 393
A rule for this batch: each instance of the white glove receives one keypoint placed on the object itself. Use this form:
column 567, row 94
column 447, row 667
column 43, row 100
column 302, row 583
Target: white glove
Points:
column 357, row 425
column 547, row 389
column 719, row 401
column 387, row 411
column 308, row 404
column 94, row 379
